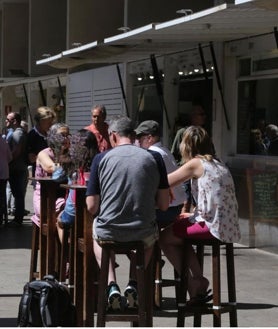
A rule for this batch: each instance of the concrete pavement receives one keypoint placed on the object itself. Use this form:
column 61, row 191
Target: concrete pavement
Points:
column 256, row 280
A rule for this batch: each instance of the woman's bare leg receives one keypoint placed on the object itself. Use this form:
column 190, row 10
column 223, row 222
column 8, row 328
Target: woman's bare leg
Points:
column 172, row 247
column 111, row 273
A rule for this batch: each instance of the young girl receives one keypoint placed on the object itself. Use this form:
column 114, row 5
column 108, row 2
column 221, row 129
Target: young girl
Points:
column 215, row 215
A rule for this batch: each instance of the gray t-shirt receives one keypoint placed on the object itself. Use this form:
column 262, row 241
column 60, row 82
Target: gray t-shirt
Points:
column 127, row 179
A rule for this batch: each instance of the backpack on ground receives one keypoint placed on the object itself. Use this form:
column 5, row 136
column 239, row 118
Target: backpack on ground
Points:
column 46, row 303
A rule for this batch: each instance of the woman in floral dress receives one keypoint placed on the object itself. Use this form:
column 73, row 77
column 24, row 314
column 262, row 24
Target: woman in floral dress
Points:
column 215, row 215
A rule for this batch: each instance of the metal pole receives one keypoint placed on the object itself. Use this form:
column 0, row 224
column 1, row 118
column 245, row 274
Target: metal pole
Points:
column 122, row 88
column 276, row 35
column 27, row 103
column 203, row 62
column 219, row 83
column 139, row 104
column 42, row 94
column 61, row 92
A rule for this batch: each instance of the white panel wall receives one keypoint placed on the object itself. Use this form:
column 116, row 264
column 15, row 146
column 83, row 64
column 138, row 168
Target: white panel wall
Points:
column 88, row 88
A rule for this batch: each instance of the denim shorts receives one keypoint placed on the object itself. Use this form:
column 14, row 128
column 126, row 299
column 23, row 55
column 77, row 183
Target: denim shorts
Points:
column 66, row 218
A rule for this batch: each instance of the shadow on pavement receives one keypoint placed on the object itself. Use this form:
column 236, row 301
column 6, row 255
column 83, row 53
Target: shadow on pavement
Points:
column 16, row 237
column 8, row 322
column 255, row 306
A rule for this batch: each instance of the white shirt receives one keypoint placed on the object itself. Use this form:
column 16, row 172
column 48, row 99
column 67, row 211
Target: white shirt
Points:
column 171, row 165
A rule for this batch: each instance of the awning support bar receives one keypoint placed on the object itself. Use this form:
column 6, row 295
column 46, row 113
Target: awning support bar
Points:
column 139, row 103
column 203, row 62
column 219, row 83
column 276, row 35
column 42, row 94
column 27, row 103
column 122, row 88
column 61, row 92
column 159, row 88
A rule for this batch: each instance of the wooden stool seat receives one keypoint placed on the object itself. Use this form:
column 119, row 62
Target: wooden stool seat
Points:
column 216, row 308
column 142, row 316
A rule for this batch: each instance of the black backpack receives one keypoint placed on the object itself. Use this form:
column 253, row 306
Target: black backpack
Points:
column 46, row 303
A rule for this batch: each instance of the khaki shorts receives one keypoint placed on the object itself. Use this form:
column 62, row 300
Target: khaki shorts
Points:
column 148, row 241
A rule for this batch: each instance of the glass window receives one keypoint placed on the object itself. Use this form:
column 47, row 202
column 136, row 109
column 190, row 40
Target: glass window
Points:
column 257, row 122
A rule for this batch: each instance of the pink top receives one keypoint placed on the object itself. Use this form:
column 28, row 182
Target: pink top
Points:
column 39, row 172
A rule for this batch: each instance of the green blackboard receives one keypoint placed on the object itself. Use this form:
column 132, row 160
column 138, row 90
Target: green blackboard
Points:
column 263, row 197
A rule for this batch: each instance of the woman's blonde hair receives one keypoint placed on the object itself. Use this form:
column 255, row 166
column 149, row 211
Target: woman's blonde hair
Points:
column 44, row 112
column 196, row 142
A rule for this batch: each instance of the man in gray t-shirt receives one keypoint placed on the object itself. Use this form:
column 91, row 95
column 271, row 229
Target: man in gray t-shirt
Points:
column 126, row 184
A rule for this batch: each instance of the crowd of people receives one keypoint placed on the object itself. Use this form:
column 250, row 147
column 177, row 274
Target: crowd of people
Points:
column 137, row 189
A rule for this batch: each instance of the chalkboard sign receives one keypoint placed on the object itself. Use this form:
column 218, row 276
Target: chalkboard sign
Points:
column 263, row 197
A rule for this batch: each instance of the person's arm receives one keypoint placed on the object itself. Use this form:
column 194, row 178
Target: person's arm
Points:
column 93, row 202
column 93, row 188
column 190, row 169
column 163, row 192
column 162, row 199
column 46, row 162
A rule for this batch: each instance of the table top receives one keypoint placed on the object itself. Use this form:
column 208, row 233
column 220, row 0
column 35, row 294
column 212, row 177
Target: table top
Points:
column 74, row 186
column 46, row 178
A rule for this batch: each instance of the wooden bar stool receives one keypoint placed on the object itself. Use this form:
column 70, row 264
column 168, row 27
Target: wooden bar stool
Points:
column 142, row 316
column 216, row 308
column 83, row 267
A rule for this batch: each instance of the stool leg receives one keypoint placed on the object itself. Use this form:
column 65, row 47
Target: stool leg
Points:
column 231, row 283
column 64, row 255
column 182, row 289
column 158, row 277
column 34, row 252
column 216, row 285
column 103, row 281
column 200, row 255
column 149, row 298
column 140, row 274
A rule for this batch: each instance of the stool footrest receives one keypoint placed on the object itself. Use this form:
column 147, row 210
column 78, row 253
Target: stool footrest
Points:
column 207, row 308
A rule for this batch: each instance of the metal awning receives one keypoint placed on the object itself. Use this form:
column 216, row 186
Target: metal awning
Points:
column 225, row 22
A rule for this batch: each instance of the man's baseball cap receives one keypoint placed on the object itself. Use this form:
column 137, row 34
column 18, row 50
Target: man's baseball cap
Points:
column 148, row 127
